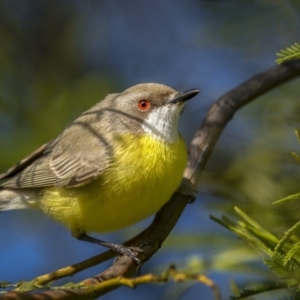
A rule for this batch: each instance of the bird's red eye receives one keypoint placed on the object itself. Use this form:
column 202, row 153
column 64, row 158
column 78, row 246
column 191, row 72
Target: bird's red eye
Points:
column 143, row 105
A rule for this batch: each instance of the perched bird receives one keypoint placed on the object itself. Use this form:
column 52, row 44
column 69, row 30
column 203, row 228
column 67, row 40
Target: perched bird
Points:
column 116, row 164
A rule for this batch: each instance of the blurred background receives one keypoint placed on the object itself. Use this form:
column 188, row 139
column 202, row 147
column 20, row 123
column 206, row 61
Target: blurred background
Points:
column 58, row 58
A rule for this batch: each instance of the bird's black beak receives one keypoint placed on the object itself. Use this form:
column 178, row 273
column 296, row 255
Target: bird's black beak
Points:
column 187, row 95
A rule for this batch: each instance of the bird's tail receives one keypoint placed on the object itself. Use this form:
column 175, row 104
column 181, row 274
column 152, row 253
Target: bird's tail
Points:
column 17, row 199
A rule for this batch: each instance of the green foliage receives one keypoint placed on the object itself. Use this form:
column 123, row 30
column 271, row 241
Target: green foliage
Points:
column 284, row 253
column 282, row 249
column 288, row 198
column 297, row 159
column 295, row 248
column 289, row 53
column 250, row 231
column 289, row 273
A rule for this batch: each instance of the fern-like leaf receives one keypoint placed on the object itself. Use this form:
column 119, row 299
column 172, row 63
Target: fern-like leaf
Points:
column 286, row 236
column 289, row 53
column 288, row 198
column 264, row 236
column 291, row 253
column 289, row 273
column 247, row 219
column 258, row 238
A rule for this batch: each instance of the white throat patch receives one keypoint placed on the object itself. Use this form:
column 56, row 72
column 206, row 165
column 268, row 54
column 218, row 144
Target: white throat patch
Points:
column 162, row 123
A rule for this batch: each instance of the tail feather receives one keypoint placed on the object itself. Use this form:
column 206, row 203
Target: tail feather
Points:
column 18, row 199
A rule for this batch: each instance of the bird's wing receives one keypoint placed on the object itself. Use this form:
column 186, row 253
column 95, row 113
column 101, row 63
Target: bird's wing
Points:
column 80, row 163
column 24, row 163
column 69, row 162
column 31, row 171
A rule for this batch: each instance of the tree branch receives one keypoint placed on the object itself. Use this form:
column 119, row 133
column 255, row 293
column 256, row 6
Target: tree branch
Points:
column 200, row 149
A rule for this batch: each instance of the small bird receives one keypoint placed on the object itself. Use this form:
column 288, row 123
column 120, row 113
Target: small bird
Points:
column 116, row 164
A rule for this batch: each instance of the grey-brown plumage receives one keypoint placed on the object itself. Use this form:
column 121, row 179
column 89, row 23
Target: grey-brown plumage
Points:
column 83, row 150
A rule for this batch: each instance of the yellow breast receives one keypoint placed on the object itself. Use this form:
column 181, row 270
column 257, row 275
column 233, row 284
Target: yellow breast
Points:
column 144, row 173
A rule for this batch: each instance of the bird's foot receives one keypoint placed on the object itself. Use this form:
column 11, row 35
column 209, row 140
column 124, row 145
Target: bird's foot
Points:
column 131, row 252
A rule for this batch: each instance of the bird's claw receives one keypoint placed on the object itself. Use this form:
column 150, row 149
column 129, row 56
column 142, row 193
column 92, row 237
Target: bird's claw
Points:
column 131, row 252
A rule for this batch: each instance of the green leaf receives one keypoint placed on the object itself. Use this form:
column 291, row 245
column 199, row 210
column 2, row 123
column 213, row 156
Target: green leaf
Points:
column 289, row 273
column 289, row 53
column 247, row 219
column 288, row 198
column 286, row 236
column 291, row 253
column 253, row 236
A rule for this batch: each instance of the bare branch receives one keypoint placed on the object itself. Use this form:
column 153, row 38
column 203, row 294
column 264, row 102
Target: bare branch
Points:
column 90, row 292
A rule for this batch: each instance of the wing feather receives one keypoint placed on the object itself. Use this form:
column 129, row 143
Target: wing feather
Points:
column 74, row 159
column 22, row 164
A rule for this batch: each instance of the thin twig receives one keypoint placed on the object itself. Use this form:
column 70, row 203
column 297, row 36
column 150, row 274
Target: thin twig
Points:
column 90, row 292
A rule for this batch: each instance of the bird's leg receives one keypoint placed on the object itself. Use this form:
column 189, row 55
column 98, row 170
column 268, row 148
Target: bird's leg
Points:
column 132, row 252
